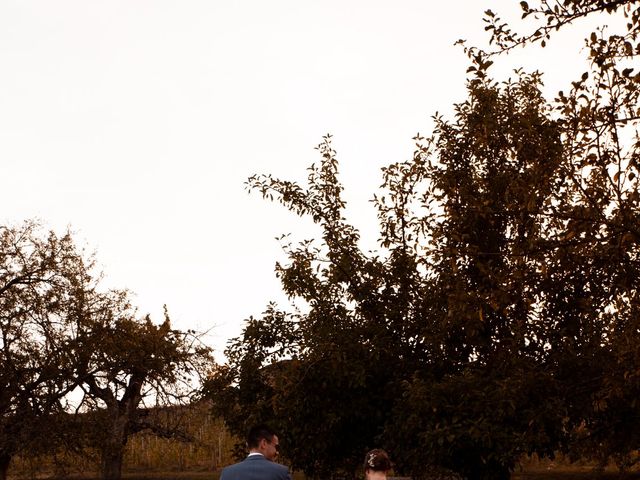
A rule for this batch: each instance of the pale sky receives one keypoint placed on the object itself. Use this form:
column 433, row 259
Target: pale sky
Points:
column 137, row 122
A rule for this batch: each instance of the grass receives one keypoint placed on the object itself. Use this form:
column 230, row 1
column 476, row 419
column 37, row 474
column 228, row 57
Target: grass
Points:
column 572, row 472
column 567, row 475
column 560, row 474
column 532, row 470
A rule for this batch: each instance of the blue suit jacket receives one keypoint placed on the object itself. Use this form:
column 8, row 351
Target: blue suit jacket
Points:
column 255, row 467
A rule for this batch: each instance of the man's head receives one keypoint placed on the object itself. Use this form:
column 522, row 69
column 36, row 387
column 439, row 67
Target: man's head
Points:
column 261, row 439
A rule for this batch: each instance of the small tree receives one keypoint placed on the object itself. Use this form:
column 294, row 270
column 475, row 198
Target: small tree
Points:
column 60, row 332
column 124, row 366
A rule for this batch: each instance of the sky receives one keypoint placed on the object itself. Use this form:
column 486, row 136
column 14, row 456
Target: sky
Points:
column 136, row 123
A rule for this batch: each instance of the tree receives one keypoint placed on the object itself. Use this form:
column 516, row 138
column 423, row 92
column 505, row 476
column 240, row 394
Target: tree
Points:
column 122, row 364
column 495, row 319
column 490, row 174
column 377, row 327
column 37, row 277
column 322, row 375
column 598, row 310
column 61, row 332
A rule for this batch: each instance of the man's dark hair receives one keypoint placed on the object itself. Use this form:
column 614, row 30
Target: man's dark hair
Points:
column 257, row 433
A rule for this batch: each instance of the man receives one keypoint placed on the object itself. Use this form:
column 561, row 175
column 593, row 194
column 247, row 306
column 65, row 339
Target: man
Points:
column 260, row 464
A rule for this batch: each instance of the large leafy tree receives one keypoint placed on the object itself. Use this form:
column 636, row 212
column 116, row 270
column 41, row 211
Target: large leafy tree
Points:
column 405, row 346
column 491, row 178
column 597, row 311
column 499, row 315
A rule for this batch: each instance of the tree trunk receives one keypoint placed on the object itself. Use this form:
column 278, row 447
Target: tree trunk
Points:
column 493, row 472
column 5, row 460
column 112, row 463
column 490, row 470
column 113, row 447
column 120, row 414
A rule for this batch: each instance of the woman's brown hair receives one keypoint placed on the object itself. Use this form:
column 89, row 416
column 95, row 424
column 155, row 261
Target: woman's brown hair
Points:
column 377, row 460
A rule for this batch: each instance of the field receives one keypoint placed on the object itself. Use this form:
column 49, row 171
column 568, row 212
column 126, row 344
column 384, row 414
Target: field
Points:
column 152, row 458
column 531, row 471
column 573, row 475
column 558, row 473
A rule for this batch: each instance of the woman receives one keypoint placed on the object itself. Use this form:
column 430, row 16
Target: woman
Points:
column 376, row 465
